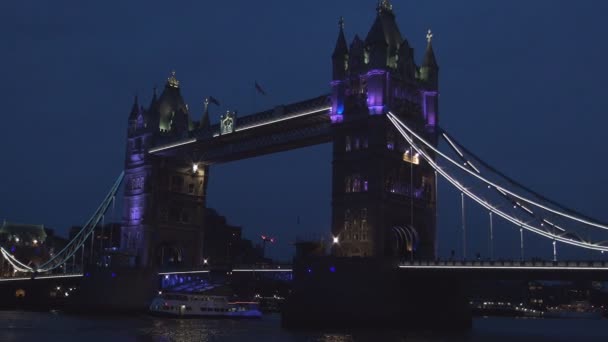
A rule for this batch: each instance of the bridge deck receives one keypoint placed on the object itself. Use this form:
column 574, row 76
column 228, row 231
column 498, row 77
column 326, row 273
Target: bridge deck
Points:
column 291, row 126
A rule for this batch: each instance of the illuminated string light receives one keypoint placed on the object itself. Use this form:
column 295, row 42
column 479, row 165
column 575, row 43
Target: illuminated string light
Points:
column 398, row 124
column 499, row 188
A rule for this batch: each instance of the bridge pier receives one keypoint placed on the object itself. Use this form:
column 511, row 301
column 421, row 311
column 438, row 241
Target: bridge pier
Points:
column 372, row 293
column 119, row 290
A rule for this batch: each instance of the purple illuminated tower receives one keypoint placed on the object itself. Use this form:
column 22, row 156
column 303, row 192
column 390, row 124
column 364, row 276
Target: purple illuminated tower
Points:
column 164, row 196
column 383, row 196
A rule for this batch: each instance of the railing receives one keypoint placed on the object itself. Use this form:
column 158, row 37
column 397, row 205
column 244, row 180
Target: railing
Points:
column 505, row 264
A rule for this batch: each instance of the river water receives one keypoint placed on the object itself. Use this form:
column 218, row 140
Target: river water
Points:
column 37, row 326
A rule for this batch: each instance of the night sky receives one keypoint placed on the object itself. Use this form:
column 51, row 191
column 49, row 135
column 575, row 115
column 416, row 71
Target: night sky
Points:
column 522, row 84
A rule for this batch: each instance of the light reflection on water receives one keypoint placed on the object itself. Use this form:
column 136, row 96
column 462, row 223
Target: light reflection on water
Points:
column 34, row 326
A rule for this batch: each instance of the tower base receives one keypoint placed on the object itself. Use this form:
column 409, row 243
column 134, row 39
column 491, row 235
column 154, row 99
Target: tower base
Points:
column 334, row 293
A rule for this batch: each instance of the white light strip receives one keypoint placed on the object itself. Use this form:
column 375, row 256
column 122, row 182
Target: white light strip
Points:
column 60, row 276
column 555, row 268
column 166, row 147
column 473, row 166
column 14, row 279
column 484, row 204
column 283, row 119
column 558, row 227
column 262, row 270
column 453, row 146
column 526, row 209
column 493, row 184
column 183, row 272
column 42, row 277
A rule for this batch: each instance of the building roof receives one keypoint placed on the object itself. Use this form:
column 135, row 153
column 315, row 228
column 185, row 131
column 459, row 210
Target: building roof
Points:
column 33, row 230
column 429, row 57
column 170, row 103
column 385, row 29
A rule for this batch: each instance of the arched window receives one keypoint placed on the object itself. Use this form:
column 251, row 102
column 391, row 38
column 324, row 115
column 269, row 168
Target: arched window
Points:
column 347, row 144
column 348, row 184
column 347, row 217
column 356, row 183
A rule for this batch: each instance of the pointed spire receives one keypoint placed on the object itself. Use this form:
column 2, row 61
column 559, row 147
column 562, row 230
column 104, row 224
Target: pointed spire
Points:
column 153, row 101
column 134, row 109
column 341, row 49
column 429, row 55
column 205, row 119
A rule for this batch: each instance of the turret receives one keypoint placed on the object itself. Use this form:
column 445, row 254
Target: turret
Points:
column 429, row 75
column 340, row 55
column 356, row 61
column 340, row 67
column 171, row 108
column 381, row 56
column 429, row 71
column 132, row 125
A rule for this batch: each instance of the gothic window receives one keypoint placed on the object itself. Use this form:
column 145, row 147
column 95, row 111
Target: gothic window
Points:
column 365, row 186
column 136, row 183
column 365, row 142
column 356, row 183
column 347, row 219
column 347, row 147
column 356, row 143
column 191, row 188
column 348, row 184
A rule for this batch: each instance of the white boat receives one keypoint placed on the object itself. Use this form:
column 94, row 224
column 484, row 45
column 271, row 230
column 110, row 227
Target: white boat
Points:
column 199, row 305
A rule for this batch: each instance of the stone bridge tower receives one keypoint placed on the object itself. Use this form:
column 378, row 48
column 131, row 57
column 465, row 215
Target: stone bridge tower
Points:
column 164, row 197
column 383, row 196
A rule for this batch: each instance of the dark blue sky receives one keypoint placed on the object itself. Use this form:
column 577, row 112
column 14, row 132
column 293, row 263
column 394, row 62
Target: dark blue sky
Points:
column 522, row 84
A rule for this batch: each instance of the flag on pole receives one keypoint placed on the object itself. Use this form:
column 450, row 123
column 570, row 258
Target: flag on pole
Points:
column 259, row 88
column 214, row 101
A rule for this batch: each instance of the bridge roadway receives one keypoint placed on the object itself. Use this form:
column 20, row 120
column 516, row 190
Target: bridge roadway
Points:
column 286, row 127
column 480, row 270
column 545, row 270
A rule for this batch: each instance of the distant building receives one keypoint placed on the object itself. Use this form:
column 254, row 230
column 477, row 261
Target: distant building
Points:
column 223, row 242
column 30, row 243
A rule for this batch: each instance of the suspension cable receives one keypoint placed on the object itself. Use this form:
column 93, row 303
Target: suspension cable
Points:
column 398, row 124
column 498, row 187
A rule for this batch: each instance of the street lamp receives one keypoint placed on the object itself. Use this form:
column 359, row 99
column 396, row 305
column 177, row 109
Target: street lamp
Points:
column 336, row 240
column 194, row 167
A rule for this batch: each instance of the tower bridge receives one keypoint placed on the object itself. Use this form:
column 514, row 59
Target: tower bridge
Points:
column 382, row 118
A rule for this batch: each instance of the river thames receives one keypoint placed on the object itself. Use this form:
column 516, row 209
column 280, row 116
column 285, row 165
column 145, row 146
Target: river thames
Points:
column 54, row 326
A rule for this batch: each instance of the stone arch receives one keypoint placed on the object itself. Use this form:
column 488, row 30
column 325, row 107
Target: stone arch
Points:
column 169, row 254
